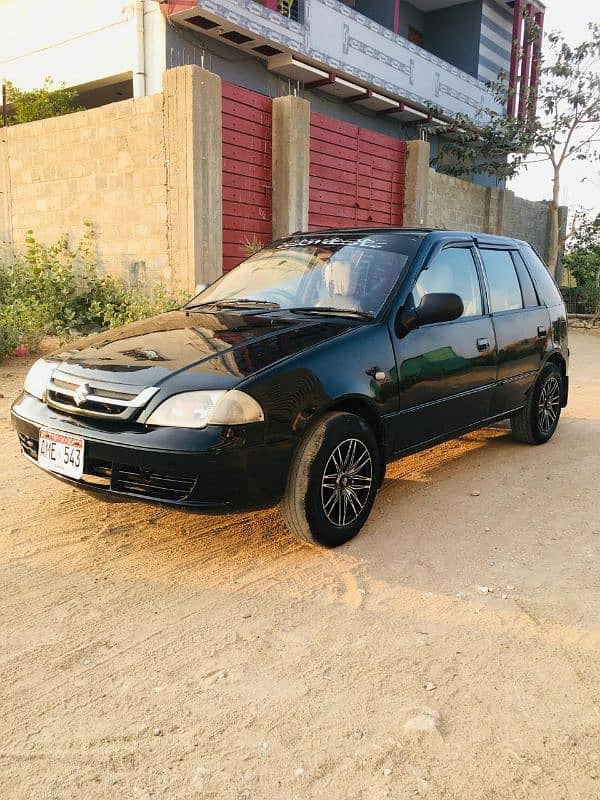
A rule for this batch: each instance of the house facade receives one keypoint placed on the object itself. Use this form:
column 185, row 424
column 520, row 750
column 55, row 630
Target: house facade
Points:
column 244, row 120
column 408, row 66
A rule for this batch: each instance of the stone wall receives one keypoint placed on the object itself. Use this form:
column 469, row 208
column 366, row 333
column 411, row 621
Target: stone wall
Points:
column 106, row 165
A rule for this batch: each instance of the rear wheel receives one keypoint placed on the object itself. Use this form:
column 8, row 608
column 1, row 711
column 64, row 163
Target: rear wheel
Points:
column 536, row 423
column 333, row 480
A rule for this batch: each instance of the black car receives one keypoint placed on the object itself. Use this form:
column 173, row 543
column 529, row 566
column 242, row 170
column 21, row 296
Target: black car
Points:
column 302, row 372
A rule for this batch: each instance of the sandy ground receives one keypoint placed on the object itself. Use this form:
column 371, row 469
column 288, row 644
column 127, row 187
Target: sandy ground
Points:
column 149, row 653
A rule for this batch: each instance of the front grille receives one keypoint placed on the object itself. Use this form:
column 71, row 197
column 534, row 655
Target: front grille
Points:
column 93, row 398
column 29, row 446
column 146, row 483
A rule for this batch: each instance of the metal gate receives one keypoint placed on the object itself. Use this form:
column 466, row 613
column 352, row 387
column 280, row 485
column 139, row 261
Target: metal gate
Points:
column 246, row 172
column 356, row 175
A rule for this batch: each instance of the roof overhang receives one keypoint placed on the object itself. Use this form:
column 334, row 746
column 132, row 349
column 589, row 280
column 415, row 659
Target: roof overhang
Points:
column 281, row 60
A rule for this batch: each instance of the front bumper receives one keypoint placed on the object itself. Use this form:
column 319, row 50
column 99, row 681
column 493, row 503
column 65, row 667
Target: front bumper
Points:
column 216, row 467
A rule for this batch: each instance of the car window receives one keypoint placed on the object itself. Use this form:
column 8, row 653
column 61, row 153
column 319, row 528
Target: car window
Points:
column 530, row 298
column 545, row 282
column 453, row 270
column 505, row 290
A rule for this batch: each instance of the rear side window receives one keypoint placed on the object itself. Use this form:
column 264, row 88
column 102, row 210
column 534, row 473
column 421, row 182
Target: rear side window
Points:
column 545, row 281
column 505, row 290
column 530, row 298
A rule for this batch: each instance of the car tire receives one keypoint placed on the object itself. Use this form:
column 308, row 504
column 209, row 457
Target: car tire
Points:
column 333, row 480
column 536, row 423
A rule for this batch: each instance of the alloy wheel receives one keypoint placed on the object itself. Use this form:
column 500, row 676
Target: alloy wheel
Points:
column 346, row 482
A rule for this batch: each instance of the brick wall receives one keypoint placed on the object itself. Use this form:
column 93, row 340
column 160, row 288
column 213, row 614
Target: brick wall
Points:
column 106, row 165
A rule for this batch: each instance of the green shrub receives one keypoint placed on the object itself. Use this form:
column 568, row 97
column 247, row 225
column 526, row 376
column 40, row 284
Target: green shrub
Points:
column 56, row 290
column 46, row 101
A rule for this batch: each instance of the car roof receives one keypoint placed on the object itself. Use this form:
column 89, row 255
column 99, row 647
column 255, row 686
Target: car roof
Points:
column 440, row 234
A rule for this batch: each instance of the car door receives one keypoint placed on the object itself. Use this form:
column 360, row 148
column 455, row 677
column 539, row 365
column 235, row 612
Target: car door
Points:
column 521, row 325
column 446, row 370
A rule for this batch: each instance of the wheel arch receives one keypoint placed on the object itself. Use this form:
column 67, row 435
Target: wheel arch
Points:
column 557, row 358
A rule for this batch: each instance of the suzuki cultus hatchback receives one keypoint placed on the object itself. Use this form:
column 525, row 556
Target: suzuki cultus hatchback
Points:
column 302, row 372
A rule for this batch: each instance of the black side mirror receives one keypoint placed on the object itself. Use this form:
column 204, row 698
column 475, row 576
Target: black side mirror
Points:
column 434, row 307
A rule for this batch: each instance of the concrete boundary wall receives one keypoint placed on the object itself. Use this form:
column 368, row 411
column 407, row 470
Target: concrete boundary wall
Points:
column 147, row 173
column 441, row 201
column 106, row 165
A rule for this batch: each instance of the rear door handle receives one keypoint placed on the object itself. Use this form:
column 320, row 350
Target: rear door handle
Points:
column 542, row 331
column 483, row 344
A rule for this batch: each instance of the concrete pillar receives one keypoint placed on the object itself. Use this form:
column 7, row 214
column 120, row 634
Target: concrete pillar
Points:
column 504, row 222
column 499, row 211
column 193, row 145
column 291, row 163
column 416, row 185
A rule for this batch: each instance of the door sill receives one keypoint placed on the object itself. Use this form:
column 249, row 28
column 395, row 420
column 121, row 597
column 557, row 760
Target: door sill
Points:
column 425, row 445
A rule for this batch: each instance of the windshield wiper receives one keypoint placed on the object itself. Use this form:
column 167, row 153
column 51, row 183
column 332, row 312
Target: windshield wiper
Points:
column 330, row 310
column 233, row 303
column 245, row 301
column 198, row 305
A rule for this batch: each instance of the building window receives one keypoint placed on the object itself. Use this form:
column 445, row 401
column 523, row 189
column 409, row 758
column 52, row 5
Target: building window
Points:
column 415, row 36
column 289, row 8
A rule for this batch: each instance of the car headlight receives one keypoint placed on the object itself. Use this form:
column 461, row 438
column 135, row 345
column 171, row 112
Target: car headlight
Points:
column 38, row 378
column 199, row 409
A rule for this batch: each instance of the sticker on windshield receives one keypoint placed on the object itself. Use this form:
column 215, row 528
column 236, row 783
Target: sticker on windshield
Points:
column 331, row 241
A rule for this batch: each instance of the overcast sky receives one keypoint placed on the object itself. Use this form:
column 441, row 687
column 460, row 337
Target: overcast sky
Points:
column 571, row 17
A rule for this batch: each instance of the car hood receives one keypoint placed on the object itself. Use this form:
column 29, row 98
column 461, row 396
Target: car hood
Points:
column 208, row 350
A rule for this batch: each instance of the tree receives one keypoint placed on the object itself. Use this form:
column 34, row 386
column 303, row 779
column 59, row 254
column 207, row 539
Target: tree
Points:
column 561, row 124
column 583, row 257
column 47, row 101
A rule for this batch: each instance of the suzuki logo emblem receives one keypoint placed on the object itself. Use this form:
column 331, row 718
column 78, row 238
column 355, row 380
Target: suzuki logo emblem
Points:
column 81, row 394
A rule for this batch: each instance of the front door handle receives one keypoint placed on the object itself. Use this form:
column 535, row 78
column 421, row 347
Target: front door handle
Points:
column 375, row 372
column 483, row 344
column 542, row 331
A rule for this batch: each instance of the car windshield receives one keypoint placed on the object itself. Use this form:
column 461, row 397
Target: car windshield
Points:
column 327, row 273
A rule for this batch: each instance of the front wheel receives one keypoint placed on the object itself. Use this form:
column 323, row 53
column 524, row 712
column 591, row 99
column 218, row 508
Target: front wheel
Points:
column 536, row 423
column 333, row 480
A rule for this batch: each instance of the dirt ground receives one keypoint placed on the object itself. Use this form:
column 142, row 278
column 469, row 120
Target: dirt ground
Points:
column 148, row 653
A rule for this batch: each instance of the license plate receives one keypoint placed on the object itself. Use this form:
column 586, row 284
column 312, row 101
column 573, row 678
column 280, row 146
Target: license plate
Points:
column 60, row 453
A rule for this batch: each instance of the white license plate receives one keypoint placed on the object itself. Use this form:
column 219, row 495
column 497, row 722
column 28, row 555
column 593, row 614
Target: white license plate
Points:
column 61, row 453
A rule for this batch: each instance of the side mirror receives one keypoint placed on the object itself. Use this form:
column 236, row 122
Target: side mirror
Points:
column 434, row 307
